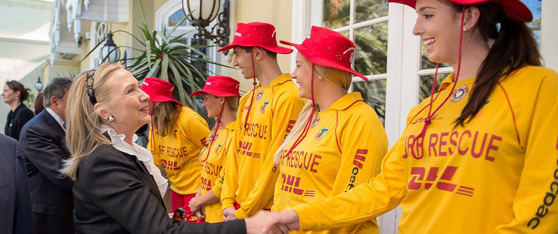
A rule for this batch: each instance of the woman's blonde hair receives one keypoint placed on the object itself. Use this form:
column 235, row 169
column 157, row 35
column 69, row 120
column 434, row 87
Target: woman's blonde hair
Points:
column 164, row 119
column 83, row 125
column 331, row 75
column 232, row 104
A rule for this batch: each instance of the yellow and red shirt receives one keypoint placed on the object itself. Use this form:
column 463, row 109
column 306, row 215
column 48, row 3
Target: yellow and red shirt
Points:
column 497, row 174
column 343, row 148
column 212, row 170
column 249, row 174
column 179, row 151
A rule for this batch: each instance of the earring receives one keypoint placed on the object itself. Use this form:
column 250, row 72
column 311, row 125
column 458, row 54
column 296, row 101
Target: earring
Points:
column 464, row 28
column 110, row 118
column 320, row 77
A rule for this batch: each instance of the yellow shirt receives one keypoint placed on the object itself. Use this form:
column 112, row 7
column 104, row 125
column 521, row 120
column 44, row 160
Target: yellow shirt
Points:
column 249, row 174
column 498, row 174
column 179, row 151
column 212, row 170
column 330, row 160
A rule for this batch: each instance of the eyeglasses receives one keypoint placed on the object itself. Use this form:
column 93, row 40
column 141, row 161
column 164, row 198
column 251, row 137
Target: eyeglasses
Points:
column 89, row 86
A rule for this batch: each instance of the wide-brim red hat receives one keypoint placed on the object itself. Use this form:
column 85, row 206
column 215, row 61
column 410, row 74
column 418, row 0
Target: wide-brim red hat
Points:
column 219, row 86
column 512, row 8
column 159, row 90
column 328, row 48
column 256, row 34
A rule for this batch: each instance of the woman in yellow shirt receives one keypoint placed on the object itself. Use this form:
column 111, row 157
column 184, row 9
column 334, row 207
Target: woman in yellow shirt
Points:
column 320, row 158
column 480, row 156
column 177, row 135
column 220, row 98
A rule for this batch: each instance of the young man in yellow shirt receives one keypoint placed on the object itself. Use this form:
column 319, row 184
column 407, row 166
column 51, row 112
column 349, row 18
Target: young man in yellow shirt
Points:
column 265, row 116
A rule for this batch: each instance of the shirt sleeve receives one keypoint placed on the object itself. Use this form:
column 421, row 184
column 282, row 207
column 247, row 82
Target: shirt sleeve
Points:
column 285, row 112
column 366, row 201
column 535, row 207
column 363, row 147
column 218, row 186
column 230, row 182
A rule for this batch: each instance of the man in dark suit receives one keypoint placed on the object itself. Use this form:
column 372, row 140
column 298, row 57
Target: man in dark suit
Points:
column 42, row 143
column 15, row 205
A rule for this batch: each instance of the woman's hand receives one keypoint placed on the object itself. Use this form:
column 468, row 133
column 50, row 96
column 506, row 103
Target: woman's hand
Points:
column 263, row 222
column 229, row 214
column 288, row 218
column 194, row 203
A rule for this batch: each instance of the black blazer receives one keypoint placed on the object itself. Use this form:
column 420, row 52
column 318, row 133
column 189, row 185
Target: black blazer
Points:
column 15, row 205
column 114, row 193
column 16, row 120
column 43, row 145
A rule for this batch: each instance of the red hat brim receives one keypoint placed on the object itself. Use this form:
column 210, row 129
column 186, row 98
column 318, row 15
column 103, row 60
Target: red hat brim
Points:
column 275, row 49
column 513, row 8
column 308, row 54
column 214, row 93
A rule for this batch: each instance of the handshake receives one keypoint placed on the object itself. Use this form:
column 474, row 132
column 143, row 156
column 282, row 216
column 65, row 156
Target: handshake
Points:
column 266, row 222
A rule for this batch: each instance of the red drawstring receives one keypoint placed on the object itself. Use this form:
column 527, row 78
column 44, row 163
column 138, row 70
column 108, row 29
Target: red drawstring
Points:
column 309, row 121
column 431, row 114
column 214, row 132
column 253, row 90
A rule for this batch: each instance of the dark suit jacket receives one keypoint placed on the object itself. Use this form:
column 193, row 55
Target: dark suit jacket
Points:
column 43, row 146
column 114, row 193
column 16, row 120
column 15, row 205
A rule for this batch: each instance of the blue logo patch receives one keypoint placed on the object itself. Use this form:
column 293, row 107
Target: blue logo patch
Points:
column 321, row 133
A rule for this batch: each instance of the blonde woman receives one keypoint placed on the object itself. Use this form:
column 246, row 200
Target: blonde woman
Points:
column 176, row 137
column 220, row 98
column 117, row 187
column 338, row 140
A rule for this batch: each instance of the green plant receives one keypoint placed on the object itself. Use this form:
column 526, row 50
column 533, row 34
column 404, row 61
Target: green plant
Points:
column 169, row 58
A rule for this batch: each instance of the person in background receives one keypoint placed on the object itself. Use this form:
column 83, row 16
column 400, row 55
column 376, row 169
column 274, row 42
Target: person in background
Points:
column 15, row 94
column 220, row 98
column 117, row 188
column 38, row 105
column 42, row 144
column 479, row 156
column 16, row 216
column 320, row 158
column 176, row 137
column 265, row 115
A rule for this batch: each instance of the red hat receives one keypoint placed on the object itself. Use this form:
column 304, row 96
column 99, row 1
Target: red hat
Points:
column 256, row 34
column 220, row 86
column 158, row 90
column 513, row 8
column 328, row 48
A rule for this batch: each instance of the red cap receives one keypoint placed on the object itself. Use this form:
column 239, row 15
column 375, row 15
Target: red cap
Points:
column 158, row 90
column 328, row 48
column 256, row 34
column 219, row 86
column 513, row 8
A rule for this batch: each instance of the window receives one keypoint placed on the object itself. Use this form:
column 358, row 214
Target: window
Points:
column 100, row 31
column 169, row 15
column 365, row 22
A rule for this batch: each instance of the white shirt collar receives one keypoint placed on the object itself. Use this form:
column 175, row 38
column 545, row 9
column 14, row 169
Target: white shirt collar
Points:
column 142, row 154
column 56, row 117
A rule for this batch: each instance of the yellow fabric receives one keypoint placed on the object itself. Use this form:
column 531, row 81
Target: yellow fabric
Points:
column 498, row 174
column 212, row 170
column 343, row 148
column 179, row 151
column 249, row 174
